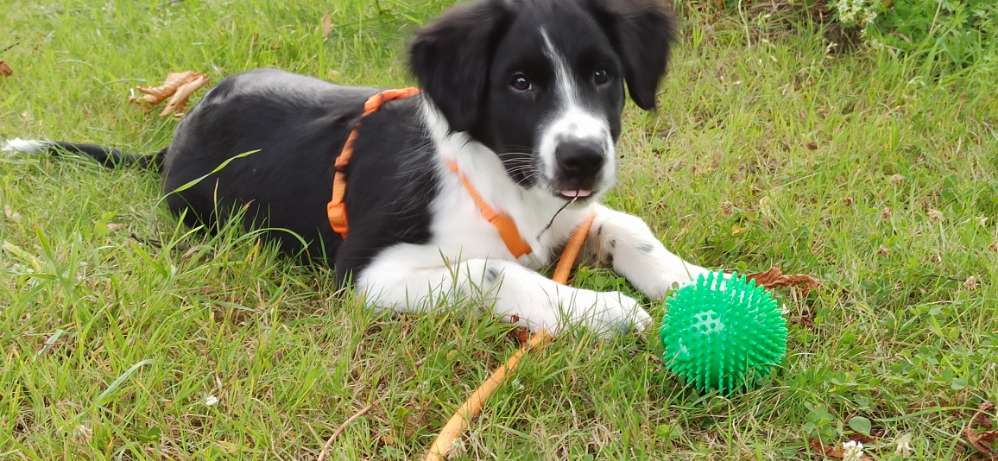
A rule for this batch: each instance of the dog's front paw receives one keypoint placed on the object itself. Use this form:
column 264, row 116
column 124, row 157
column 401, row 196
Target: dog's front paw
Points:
column 677, row 276
column 609, row 312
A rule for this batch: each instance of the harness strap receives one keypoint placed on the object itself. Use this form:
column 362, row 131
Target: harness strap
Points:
column 501, row 221
column 336, row 209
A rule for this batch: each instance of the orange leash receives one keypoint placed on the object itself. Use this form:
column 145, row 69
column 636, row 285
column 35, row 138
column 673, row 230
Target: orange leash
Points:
column 472, row 407
column 336, row 211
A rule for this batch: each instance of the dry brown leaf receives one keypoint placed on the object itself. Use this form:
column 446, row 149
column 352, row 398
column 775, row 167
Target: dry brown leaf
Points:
column 5, row 69
column 178, row 87
column 520, row 334
column 153, row 95
column 178, row 102
column 775, row 278
column 972, row 283
column 327, row 26
column 982, row 441
column 936, row 215
column 981, row 418
column 727, row 208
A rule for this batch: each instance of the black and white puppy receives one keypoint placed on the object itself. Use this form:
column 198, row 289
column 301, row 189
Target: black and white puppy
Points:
column 525, row 95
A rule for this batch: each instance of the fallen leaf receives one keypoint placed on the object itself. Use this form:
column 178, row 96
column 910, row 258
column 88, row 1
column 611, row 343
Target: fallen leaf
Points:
column 156, row 94
column 972, row 283
column 5, row 69
column 775, row 278
column 520, row 334
column 982, row 441
column 812, row 145
column 178, row 102
column 727, row 208
column 981, row 418
column 327, row 26
column 178, row 87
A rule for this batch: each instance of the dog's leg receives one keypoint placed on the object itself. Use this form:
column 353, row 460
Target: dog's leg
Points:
column 407, row 284
column 625, row 243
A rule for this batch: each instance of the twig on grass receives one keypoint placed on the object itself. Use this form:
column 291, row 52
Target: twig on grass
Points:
column 339, row 430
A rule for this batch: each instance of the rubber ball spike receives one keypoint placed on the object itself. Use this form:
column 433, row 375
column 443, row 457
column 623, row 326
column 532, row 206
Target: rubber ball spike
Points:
column 723, row 333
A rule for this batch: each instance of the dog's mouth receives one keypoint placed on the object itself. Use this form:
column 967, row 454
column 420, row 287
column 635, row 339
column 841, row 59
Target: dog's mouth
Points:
column 575, row 189
column 575, row 194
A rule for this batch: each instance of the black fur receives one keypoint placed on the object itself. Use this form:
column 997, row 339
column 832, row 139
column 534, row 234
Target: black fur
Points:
column 291, row 127
column 466, row 60
column 108, row 156
column 298, row 125
column 452, row 56
column 642, row 32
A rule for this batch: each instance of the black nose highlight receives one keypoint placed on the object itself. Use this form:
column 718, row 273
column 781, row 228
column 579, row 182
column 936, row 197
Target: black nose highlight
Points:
column 580, row 158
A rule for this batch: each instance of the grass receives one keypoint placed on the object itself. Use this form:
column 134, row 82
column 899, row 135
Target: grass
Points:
column 119, row 327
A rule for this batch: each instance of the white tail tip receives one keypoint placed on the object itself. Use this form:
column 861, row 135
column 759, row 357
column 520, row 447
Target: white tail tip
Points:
column 27, row 146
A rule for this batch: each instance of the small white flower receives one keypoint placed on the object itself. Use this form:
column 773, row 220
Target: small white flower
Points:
column 852, row 451
column 211, row 401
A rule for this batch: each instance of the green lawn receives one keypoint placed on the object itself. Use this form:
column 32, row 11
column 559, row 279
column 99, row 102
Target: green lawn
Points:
column 119, row 327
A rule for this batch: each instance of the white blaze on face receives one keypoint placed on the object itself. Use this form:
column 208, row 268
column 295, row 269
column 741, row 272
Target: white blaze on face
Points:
column 572, row 121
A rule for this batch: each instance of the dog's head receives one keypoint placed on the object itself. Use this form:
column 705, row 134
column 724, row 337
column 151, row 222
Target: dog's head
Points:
column 541, row 82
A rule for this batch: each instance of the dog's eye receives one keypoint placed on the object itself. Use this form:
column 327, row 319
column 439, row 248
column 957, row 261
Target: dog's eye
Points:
column 601, row 77
column 521, row 82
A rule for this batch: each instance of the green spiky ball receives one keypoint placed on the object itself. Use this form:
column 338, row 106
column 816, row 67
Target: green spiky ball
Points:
column 722, row 334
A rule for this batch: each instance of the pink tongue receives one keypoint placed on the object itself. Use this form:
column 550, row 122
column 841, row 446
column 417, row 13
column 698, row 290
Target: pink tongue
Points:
column 577, row 193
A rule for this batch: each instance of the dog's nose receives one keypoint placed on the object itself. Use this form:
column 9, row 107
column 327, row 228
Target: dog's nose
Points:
column 580, row 159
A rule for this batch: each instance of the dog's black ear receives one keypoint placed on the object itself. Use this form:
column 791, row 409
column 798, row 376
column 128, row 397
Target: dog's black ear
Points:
column 642, row 32
column 450, row 58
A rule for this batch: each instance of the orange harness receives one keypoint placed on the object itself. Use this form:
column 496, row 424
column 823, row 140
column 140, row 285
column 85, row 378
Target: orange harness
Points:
column 336, row 209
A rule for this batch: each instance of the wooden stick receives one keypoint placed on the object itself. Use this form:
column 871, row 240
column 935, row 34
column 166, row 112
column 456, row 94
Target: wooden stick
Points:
column 472, row 407
column 563, row 270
